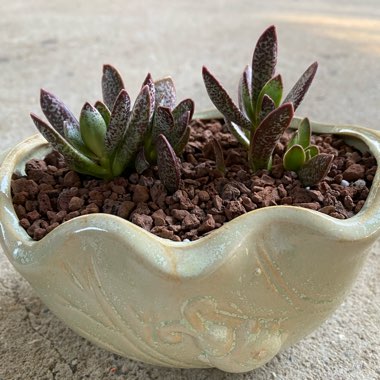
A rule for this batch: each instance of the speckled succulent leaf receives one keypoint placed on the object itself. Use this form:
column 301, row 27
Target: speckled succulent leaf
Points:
column 294, row 158
column 56, row 111
column 267, row 135
column 148, row 81
column 165, row 93
column 223, row 101
column 135, row 133
column 267, row 106
column 297, row 93
column 104, row 111
column 186, row 105
column 118, row 122
column 315, row 169
column 313, row 150
column 304, row 133
column 238, row 133
column 273, row 89
column 141, row 163
column 73, row 136
column 112, row 84
column 168, row 164
column 163, row 123
column 73, row 157
column 219, row 157
column 244, row 94
column 263, row 61
column 93, row 129
column 180, row 126
column 182, row 142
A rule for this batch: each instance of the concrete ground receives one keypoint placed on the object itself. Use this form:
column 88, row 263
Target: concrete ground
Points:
column 61, row 46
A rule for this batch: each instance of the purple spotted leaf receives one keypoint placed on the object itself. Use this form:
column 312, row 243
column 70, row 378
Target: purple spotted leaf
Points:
column 112, row 84
column 56, row 111
column 182, row 142
column 244, row 93
column 297, row 93
column 104, row 111
column 169, row 169
column 93, row 129
column 219, row 157
column 180, row 126
column 315, row 169
column 141, row 163
column 267, row 135
column 148, row 81
column 163, row 123
column 165, row 93
column 135, row 133
column 223, row 101
column 74, row 159
column 186, row 105
column 267, row 106
column 118, row 122
column 263, row 61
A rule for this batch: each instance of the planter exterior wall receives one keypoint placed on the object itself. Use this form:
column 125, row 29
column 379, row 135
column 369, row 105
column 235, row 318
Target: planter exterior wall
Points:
column 231, row 300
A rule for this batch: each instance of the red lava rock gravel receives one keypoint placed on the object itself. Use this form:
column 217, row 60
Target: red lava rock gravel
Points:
column 51, row 194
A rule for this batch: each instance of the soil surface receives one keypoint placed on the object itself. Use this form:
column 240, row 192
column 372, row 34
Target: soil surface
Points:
column 50, row 193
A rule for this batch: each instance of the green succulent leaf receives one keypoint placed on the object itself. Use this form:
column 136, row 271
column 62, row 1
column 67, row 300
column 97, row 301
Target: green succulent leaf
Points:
column 163, row 123
column 118, row 122
column 112, row 84
column 304, row 133
column 73, row 136
column 294, row 158
column 104, row 111
column 135, row 133
column 267, row 106
column 263, row 62
column 148, row 81
column 223, row 101
column 74, row 159
column 238, row 133
column 299, row 90
column 93, row 129
column 313, row 150
column 315, row 169
column 168, row 165
column 165, row 93
column 141, row 163
column 244, row 94
column 56, row 111
column 273, row 89
column 267, row 135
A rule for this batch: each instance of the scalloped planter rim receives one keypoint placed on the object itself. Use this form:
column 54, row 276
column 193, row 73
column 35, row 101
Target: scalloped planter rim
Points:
column 231, row 300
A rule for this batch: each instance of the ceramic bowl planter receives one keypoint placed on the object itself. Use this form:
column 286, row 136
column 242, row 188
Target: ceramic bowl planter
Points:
column 231, row 300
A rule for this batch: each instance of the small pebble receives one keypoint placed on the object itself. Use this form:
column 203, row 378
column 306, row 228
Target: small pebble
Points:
column 360, row 184
column 345, row 183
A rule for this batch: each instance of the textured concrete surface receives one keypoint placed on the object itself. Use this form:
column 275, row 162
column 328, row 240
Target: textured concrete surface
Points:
column 62, row 45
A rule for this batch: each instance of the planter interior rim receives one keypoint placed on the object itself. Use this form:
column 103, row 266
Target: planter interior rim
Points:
column 363, row 225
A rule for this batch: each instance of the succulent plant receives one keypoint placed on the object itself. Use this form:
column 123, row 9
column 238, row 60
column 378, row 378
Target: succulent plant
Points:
column 304, row 158
column 111, row 136
column 260, row 119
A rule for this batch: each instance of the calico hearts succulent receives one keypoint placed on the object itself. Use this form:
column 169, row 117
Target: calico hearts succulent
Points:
column 111, row 135
column 261, row 117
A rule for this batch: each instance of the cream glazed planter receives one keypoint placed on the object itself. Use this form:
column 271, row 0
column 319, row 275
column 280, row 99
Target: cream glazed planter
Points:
column 231, row 300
